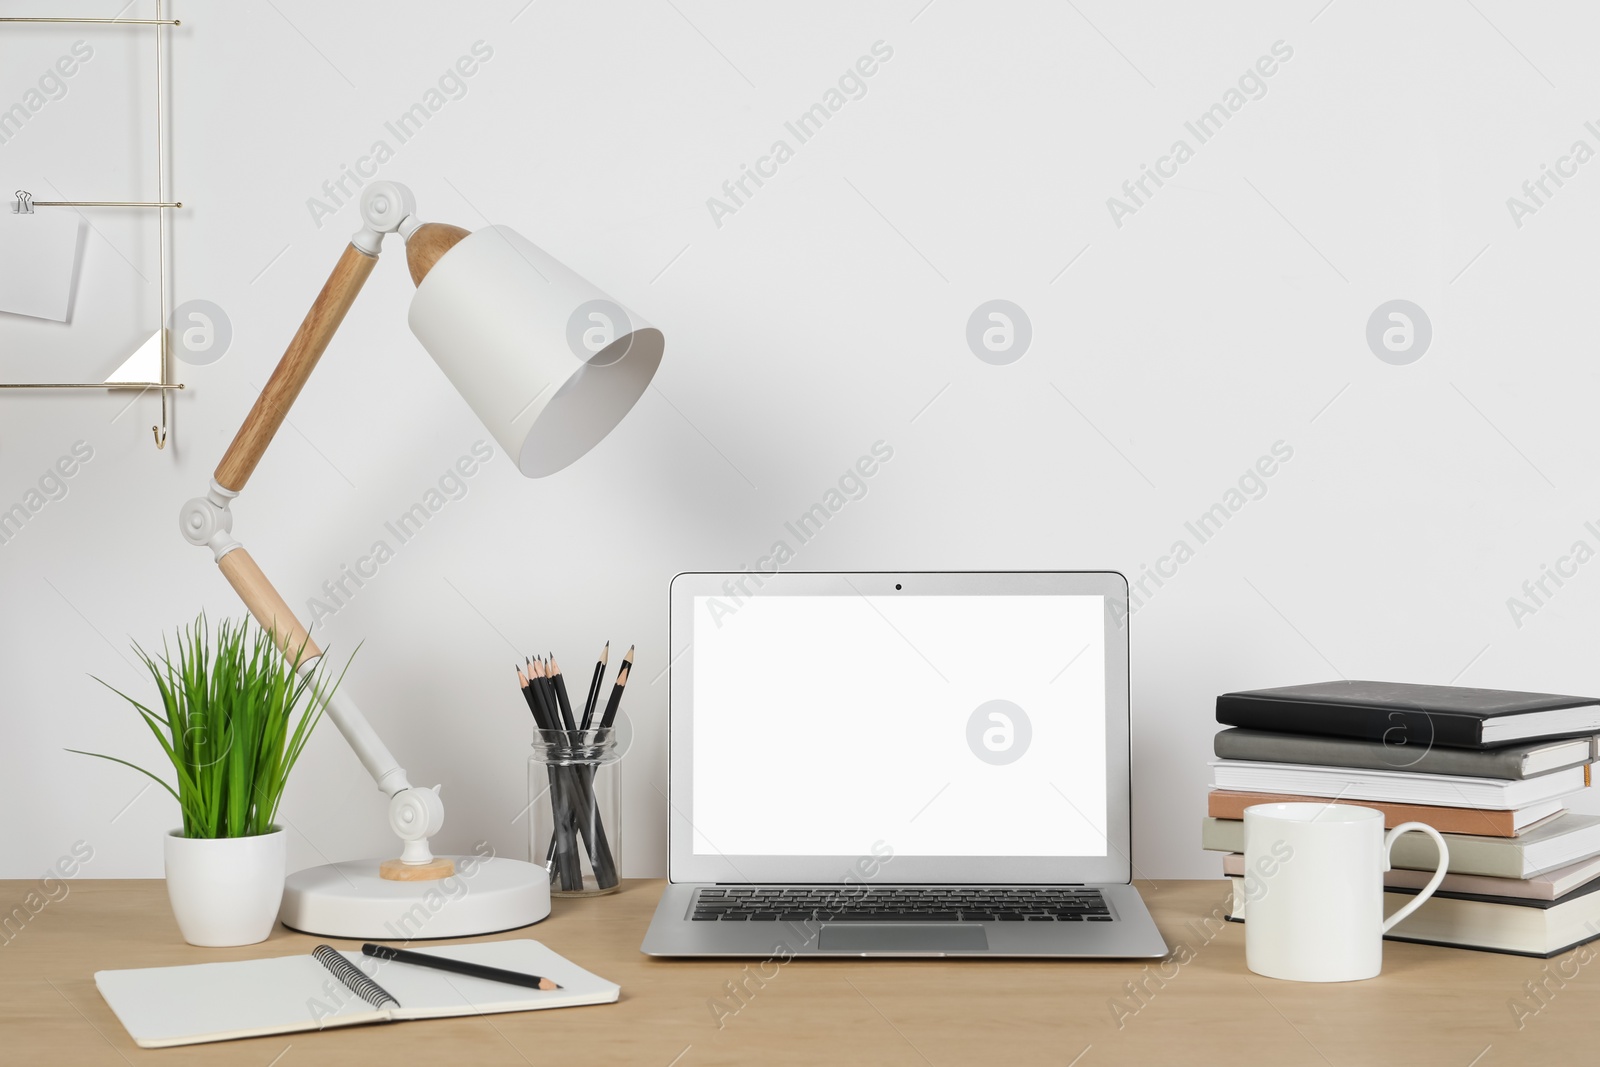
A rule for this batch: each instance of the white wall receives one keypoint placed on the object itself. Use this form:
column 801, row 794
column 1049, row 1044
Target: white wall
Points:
column 1226, row 314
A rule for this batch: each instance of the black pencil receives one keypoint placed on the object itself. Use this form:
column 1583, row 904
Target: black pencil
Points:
column 616, row 691
column 571, row 787
column 580, row 797
column 532, row 697
column 549, row 693
column 541, row 691
column 527, row 695
column 472, row 970
column 559, row 683
column 566, row 788
column 594, row 687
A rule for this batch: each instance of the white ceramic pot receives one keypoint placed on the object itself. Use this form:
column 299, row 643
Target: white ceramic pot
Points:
column 226, row 890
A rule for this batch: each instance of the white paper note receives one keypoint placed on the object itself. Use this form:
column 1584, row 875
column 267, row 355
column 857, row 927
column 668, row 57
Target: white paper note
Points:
column 38, row 262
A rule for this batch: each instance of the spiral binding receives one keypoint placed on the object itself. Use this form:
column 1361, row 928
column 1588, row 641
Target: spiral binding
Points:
column 353, row 977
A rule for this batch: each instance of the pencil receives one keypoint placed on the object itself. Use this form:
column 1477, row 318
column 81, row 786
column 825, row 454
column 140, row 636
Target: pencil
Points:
column 443, row 963
column 532, row 697
column 541, row 684
column 583, row 811
column 615, row 702
column 560, row 684
column 594, row 687
column 542, row 670
column 527, row 695
column 566, row 789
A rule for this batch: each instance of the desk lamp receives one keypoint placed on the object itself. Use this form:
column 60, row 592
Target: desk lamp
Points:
column 494, row 311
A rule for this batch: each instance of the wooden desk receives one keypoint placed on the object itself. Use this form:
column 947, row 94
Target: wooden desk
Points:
column 1430, row 1006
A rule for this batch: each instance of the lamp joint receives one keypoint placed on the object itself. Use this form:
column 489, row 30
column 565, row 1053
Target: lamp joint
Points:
column 207, row 522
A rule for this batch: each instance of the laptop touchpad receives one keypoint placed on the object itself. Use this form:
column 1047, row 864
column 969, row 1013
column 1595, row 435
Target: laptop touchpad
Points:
column 900, row 939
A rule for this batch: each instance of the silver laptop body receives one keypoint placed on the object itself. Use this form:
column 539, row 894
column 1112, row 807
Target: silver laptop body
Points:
column 900, row 764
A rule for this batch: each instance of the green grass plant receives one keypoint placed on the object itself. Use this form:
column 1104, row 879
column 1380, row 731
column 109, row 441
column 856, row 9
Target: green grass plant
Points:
column 234, row 718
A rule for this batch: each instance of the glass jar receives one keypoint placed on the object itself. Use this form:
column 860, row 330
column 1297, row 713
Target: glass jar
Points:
column 574, row 798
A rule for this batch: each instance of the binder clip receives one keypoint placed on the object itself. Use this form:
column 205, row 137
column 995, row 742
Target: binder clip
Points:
column 23, row 205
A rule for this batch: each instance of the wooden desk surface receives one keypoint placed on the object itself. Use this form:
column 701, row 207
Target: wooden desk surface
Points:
column 1430, row 1005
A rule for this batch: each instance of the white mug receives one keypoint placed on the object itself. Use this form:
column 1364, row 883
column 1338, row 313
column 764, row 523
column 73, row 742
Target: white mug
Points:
column 1314, row 890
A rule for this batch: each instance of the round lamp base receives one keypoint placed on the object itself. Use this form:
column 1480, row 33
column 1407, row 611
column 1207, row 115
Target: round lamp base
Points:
column 352, row 900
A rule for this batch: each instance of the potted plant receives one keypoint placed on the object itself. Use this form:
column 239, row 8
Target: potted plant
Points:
column 234, row 717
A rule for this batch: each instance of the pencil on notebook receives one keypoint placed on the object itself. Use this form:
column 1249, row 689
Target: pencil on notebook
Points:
column 471, row 970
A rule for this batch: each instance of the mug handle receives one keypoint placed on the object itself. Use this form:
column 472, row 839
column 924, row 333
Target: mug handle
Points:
column 1433, row 883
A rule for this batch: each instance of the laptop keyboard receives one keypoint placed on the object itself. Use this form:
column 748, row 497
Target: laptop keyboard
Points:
column 889, row 904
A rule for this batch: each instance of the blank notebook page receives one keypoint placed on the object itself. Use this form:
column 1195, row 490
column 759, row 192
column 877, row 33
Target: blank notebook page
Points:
column 174, row 1005
column 218, row 1001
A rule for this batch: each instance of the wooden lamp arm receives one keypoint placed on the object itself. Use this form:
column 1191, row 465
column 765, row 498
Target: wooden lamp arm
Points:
column 299, row 360
column 257, row 432
column 268, row 607
column 426, row 243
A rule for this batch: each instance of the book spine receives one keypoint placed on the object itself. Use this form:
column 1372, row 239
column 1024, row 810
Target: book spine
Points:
column 1519, row 889
column 1226, row 804
column 1362, row 722
column 1264, row 747
column 1391, row 787
column 1442, row 925
column 1501, row 858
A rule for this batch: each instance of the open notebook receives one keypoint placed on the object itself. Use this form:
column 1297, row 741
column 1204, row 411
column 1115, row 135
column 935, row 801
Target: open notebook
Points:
column 189, row 1005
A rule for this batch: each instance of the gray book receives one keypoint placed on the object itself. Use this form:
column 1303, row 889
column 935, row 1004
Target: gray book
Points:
column 1528, row 759
column 1554, row 842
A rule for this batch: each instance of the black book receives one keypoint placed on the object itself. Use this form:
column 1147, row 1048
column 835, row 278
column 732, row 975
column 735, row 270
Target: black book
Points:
column 1414, row 716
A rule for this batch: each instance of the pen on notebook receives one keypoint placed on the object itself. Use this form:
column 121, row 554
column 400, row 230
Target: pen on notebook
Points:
column 471, row 970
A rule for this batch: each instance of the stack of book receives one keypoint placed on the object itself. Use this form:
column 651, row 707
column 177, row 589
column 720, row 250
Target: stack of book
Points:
column 1489, row 769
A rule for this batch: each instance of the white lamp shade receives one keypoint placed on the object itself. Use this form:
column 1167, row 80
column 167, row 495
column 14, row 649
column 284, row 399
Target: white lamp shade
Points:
column 545, row 359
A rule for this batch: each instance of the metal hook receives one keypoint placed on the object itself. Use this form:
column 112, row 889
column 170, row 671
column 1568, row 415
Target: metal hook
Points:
column 160, row 432
column 23, row 204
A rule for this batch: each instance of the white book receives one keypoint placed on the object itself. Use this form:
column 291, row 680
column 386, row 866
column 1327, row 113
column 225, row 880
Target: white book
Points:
column 1566, row 839
column 1539, row 928
column 196, row 1003
column 1551, row 885
column 1397, row 787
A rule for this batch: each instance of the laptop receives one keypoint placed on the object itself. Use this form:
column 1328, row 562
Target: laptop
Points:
column 907, row 764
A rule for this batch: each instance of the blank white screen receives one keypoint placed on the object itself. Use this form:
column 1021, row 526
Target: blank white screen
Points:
column 823, row 724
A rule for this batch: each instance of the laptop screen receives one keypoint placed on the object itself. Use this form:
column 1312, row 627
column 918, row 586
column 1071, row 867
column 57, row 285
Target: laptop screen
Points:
column 937, row 725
